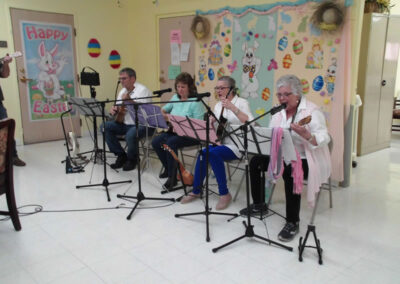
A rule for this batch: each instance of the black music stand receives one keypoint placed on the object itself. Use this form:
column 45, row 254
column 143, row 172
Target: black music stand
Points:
column 90, row 106
column 249, row 231
column 199, row 134
column 140, row 196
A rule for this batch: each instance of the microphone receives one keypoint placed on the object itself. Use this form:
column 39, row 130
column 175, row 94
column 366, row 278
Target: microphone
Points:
column 160, row 92
column 203, row 95
column 277, row 108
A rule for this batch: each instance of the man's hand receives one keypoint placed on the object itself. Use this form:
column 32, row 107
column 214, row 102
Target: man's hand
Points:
column 114, row 110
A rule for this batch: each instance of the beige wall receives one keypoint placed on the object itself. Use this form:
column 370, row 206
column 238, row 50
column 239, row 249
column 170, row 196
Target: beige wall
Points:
column 131, row 29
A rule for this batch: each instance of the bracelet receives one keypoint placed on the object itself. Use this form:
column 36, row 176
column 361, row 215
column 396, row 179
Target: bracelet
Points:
column 237, row 111
column 311, row 138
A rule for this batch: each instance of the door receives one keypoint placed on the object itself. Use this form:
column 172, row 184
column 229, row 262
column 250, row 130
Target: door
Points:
column 46, row 72
column 166, row 25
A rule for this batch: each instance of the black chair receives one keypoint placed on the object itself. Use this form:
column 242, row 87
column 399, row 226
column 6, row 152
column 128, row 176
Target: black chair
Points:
column 7, row 128
column 396, row 115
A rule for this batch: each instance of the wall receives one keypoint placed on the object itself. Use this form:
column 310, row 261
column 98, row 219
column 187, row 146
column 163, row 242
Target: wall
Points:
column 132, row 30
column 396, row 11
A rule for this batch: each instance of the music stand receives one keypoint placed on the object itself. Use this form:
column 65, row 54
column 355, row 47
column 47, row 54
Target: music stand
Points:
column 140, row 196
column 92, row 107
column 200, row 130
column 249, row 231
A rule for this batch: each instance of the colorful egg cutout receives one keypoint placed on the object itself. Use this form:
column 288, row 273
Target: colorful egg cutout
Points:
column 94, row 48
column 287, row 61
column 221, row 72
column 297, row 47
column 318, row 83
column 211, row 74
column 114, row 59
column 227, row 50
column 266, row 93
column 283, row 42
column 305, row 86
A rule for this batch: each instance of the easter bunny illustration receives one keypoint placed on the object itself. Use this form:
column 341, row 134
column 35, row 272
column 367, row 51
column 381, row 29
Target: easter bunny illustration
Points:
column 50, row 69
column 251, row 66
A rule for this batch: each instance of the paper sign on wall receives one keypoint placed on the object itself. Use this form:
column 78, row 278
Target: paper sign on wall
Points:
column 175, row 36
column 175, row 54
column 173, row 71
column 185, row 47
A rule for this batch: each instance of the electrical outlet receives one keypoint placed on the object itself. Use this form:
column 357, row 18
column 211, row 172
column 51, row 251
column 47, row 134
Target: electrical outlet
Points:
column 3, row 43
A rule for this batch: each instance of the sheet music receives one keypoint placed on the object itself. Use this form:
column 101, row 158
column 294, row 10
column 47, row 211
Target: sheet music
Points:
column 148, row 115
column 87, row 106
column 259, row 141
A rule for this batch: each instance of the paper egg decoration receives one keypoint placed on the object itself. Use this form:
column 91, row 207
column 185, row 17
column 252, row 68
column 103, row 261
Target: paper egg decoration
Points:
column 283, row 42
column 287, row 61
column 318, row 83
column 266, row 93
column 297, row 47
column 114, row 59
column 305, row 86
column 211, row 74
column 94, row 48
column 221, row 72
column 227, row 50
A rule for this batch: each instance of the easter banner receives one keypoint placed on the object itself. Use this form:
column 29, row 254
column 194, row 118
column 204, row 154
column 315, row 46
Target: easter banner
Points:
column 49, row 64
column 256, row 48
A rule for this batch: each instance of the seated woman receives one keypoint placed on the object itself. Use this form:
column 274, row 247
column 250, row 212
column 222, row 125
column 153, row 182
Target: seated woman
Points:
column 185, row 88
column 311, row 143
column 236, row 111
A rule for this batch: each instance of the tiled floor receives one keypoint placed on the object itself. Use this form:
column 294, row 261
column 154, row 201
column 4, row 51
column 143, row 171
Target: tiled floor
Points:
column 359, row 235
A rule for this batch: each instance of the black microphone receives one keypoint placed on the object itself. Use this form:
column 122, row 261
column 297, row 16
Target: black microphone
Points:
column 277, row 108
column 203, row 95
column 160, row 92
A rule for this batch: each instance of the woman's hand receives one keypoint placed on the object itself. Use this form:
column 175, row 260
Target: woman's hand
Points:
column 226, row 103
column 303, row 132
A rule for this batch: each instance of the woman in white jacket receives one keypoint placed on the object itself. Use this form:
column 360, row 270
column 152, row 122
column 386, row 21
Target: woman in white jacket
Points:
column 311, row 143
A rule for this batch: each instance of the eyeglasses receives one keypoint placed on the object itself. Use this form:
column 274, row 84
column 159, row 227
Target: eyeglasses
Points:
column 123, row 78
column 284, row 95
column 220, row 88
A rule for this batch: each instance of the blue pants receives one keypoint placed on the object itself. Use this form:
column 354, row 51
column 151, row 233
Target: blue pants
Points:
column 113, row 129
column 174, row 142
column 3, row 115
column 217, row 156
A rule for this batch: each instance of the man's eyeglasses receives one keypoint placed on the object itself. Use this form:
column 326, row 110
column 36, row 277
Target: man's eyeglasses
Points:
column 123, row 78
column 220, row 88
column 284, row 95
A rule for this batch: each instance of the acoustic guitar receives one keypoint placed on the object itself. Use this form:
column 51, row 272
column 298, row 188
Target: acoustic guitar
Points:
column 304, row 121
column 72, row 138
column 186, row 175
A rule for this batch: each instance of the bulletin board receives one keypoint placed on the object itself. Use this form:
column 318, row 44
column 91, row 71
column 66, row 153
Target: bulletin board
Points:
column 167, row 25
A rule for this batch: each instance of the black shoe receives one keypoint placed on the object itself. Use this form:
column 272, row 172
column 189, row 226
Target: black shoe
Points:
column 164, row 174
column 129, row 165
column 119, row 162
column 289, row 232
column 255, row 210
column 170, row 183
column 18, row 162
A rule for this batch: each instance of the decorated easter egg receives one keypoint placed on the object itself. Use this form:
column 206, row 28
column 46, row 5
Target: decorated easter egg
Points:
column 297, row 47
column 287, row 61
column 266, row 93
column 305, row 86
column 260, row 111
column 283, row 42
column 211, row 74
column 94, row 48
column 221, row 72
column 37, row 97
column 227, row 50
column 114, row 59
column 318, row 83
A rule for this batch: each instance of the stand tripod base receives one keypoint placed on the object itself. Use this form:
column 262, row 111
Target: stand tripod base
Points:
column 206, row 213
column 249, row 233
column 140, row 197
column 105, row 183
column 302, row 245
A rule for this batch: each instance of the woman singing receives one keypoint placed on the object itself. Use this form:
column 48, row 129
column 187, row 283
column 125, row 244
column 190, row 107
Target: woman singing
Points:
column 185, row 88
column 311, row 143
column 236, row 111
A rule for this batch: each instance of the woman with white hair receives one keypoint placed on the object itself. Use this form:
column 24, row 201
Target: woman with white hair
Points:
column 311, row 144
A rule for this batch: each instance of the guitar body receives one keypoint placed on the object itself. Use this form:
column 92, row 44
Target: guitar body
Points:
column 74, row 144
column 119, row 117
column 221, row 127
column 187, row 176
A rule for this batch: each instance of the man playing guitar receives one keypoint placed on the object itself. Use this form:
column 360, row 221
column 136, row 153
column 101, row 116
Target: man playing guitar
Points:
column 124, row 125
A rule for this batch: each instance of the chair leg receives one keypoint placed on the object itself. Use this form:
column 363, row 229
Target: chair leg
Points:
column 12, row 207
column 228, row 168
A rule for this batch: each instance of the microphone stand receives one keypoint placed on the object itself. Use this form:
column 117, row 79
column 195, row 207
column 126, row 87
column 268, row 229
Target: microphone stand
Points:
column 140, row 196
column 207, row 211
column 249, row 231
